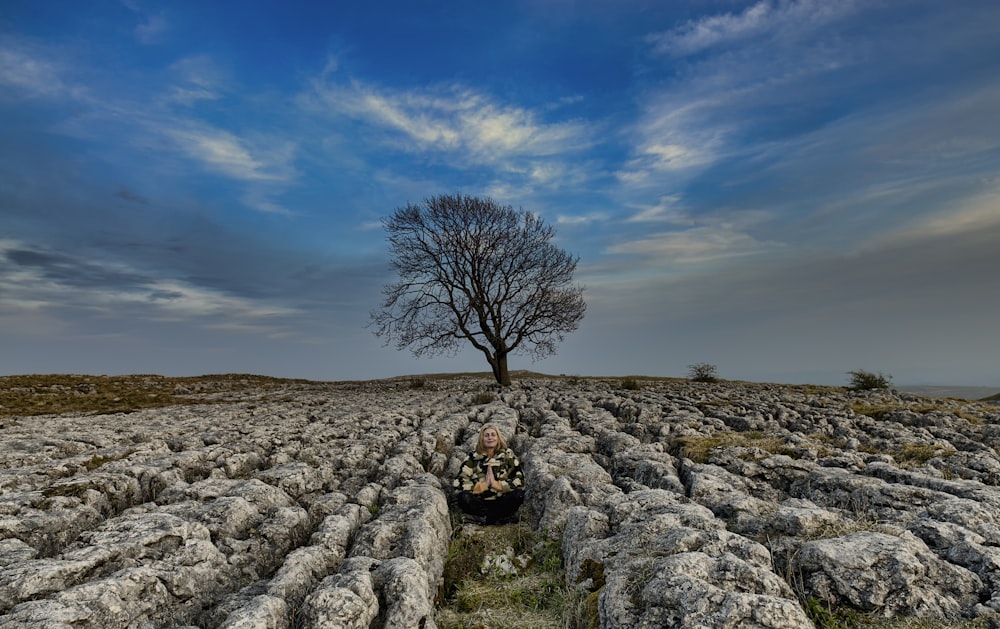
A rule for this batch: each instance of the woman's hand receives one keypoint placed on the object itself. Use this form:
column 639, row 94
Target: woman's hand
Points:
column 492, row 481
column 480, row 487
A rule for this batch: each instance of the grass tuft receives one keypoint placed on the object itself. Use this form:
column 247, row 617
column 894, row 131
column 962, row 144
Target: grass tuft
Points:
column 535, row 595
column 699, row 449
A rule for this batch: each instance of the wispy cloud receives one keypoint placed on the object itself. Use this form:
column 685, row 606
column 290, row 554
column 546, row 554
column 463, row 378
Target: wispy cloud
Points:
column 27, row 72
column 196, row 78
column 262, row 203
column 979, row 213
column 469, row 126
column 786, row 19
column 147, row 118
column 582, row 219
column 740, row 71
column 37, row 280
column 666, row 210
column 673, row 138
column 696, row 245
column 152, row 29
column 233, row 156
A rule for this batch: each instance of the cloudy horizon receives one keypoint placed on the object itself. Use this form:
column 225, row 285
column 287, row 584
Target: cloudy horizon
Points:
column 786, row 189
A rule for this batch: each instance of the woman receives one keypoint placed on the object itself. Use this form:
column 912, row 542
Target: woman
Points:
column 490, row 485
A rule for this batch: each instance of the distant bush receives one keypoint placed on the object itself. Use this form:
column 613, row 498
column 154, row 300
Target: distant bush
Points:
column 631, row 384
column 483, row 397
column 865, row 380
column 418, row 383
column 703, row 372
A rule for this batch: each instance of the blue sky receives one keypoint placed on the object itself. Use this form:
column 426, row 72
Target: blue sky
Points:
column 788, row 190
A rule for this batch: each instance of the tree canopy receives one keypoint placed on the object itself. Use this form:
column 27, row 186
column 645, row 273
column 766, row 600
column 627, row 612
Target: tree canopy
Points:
column 472, row 270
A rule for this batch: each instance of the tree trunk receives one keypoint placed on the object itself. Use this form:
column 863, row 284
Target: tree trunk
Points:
column 500, row 371
column 498, row 363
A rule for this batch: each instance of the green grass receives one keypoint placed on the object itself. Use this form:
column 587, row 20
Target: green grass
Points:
column 826, row 617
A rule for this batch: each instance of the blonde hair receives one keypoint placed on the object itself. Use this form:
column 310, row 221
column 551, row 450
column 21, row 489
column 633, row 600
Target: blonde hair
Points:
column 501, row 442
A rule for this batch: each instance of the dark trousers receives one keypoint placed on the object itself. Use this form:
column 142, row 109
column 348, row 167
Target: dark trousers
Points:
column 503, row 506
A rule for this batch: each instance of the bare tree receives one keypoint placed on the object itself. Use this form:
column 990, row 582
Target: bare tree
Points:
column 473, row 270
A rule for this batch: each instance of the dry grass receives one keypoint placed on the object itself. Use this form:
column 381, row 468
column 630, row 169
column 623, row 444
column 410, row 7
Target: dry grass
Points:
column 698, row 449
column 916, row 454
column 972, row 412
column 535, row 597
column 66, row 393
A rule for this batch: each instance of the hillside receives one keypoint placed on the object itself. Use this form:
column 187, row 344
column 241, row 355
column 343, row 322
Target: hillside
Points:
column 962, row 393
column 243, row 502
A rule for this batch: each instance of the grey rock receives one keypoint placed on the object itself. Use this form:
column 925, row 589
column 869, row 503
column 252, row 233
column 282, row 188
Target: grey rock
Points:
column 406, row 594
column 261, row 612
column 697, row 589
column 890, row 575
column 346, row 599
column 13, row 550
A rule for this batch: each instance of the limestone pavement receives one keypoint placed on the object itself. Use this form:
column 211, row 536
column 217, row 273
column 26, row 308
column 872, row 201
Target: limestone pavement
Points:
column 327, row 505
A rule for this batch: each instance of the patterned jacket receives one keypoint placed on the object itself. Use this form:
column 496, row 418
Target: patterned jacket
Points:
column 506, row 470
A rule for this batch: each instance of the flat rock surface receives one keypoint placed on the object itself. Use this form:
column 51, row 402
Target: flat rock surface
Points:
column 679, row 504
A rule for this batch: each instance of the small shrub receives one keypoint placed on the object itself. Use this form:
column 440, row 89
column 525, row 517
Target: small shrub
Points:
column 418, row 383
column 866, row 381
column 703, row 372
column 483, row 397
column 631, row 384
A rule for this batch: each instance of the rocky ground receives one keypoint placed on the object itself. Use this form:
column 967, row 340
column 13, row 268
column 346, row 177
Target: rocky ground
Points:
column 679, row 504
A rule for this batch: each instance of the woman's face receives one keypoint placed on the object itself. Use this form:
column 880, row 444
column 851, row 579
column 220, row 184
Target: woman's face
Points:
column 490, row 438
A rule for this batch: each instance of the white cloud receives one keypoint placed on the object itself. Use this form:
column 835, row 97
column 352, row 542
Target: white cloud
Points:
column 234, row 156
column 977, row 214
column 28, row 73
column 31, row 289
column 697, row 35
column 756, row 63
column 789, row 19
column 151, row 29
column 175, row 299
column 190, row 95
column 197, row 78
column 581, row 219
column 673, row 138
column 459, row 121
column 665, row 211
column 262, row 204
column 699, row 244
